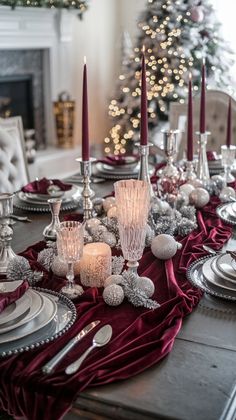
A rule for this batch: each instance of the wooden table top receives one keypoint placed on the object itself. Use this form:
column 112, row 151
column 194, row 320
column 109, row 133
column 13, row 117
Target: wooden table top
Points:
column 195, row 381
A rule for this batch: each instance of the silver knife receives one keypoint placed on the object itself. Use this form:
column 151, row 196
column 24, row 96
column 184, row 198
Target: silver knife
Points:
column 49, row 367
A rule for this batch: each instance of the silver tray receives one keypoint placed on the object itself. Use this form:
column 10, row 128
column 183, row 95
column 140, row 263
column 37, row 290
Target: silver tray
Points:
column 63, row 320
column 196, row 278
column 223, row 214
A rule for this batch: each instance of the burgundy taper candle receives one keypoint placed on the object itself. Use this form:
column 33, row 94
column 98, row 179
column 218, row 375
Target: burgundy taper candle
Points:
column 229, row 125
column 85, row 127
column 144, row 116
column 190, row 121
column 203, row 100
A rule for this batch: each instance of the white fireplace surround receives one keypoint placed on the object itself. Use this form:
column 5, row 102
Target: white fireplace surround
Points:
column 50, row 30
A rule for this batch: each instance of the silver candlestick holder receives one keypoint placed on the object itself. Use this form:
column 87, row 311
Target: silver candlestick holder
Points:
column 190, row 173
column 144, row 169
column 6, row 232
column 50, row 231
column 202, row 164
column 87, row 193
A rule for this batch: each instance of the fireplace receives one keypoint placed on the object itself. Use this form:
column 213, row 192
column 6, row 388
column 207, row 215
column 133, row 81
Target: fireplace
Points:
column 21, row 89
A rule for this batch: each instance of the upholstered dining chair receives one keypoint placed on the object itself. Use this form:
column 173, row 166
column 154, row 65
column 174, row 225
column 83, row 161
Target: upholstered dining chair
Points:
column 13, row 165
column 216, row 120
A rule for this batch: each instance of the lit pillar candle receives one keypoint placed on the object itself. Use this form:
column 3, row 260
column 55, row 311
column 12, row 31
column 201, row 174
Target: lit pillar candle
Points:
column 144, row 115
column 95, row 264
column 85, row 127
column 203, row 100
column 190, row 121
column 229, row 125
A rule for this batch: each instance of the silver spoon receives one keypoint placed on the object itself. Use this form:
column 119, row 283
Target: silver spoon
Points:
column 101, row 338
column 211, row 250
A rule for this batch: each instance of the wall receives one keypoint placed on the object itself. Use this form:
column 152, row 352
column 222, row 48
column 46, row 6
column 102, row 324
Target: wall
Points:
column 98, row 36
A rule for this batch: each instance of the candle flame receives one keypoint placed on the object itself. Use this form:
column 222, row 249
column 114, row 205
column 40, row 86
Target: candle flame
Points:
column 203, row 61
column 143, row 49
column 85, row 60
column 190, row 76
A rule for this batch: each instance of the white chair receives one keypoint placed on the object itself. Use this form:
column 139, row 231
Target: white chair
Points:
column 216, row 119
column 13, row 164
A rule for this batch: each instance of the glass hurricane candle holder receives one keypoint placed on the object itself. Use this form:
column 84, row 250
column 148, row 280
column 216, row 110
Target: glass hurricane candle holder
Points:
column 6, row 232
column 133, row 203
column 70, row 240
column 227, row 158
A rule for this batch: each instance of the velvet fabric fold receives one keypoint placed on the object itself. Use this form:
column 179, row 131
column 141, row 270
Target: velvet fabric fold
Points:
column 141, row 337
column 41, row 186
column 6, row 298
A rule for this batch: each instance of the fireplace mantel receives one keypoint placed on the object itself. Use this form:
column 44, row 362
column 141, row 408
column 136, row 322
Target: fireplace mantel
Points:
column 48, row 30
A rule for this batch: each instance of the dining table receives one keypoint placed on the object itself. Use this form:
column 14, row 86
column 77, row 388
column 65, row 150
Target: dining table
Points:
column 196, row 380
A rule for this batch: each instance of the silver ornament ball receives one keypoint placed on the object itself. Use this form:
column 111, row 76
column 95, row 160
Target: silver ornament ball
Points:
column 108, row 203
column 113, row 295
column 113, row 279
column 109, row 238
column 164, row 246
column 226, row 194
column 60, row 268
column 146, row 285
column 199, row 197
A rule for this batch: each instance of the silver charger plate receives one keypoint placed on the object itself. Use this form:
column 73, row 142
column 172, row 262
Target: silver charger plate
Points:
column 196, row 278
column 62, row 321
column 224, row 264
column 223, row 213
column 117, row 170
column 15, row 311
column 35, row 309
column 43, row 208
column 116, row 174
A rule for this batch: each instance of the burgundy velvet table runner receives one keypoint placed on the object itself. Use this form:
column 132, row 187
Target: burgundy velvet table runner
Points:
column 141, row 337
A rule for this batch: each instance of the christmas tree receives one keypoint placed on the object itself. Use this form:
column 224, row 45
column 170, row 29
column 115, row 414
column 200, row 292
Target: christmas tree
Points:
column 177, row 35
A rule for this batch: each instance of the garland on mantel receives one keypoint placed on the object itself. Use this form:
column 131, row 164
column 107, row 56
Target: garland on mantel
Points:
column 80, row 5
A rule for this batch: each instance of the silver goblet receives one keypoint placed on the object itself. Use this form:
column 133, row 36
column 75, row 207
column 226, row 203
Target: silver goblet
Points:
column 6, row 232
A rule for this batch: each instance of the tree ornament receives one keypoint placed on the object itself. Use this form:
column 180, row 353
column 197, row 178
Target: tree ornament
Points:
column 196, row 183
column 196, row 14
column 146, row 285
column 19, row 269
column 164, row 246
column 219, row 183
column 113, row 279
column 160, row 207
column 226, row 194
column 98, row 205
column 109, row 238
column 186, row 226
column 60, row 267
column 112, row 212
column 92, row 223
column 46, row 257
column 189, row 212
column 199, row 197
column 186, row 188
column 135, row 295
column 117, row 264
column 108, row 203
column 113, row 295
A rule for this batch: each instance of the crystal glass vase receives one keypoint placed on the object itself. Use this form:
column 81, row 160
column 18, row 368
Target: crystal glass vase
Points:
column 133, row 202
column 227, row 158
column 70, row 242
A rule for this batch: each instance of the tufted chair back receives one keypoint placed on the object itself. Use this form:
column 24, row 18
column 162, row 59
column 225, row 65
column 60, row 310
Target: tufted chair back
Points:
column 13, row 166
column 216, row 120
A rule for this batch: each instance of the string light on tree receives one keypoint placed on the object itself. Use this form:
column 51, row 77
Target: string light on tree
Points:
column 175, row 38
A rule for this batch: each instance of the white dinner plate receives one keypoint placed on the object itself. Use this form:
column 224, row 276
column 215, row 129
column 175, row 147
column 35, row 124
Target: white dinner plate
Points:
column 215, row 281
column 117, row 170
column 73, row 194
column 16, row 310
column 224, row 264
column 36, row 307
column 44, row 318
column 231, row 282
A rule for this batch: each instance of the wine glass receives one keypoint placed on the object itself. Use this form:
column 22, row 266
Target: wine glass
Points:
column 133, row 202
column 227, row 158
column 70, row 240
